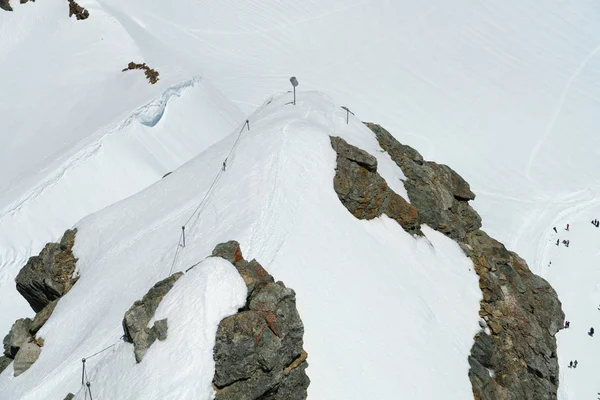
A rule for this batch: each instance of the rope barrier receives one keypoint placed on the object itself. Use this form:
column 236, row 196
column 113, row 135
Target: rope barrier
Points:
column 85, row 382
column 197, row 211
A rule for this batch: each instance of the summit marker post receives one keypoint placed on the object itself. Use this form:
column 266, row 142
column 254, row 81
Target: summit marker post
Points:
column 294, row 83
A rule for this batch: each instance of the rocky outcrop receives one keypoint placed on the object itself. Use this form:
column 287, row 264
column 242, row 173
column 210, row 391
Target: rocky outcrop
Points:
column 27, row 355
column 135, row 322
column 21, row 346
column 4, row 362
column 439, row 193
column 364, row 192
column 151, row 74
column 517, row 359
column 70, row 396
column 17, row 337
column 259, row 351
column 48, row 276
column 5, row 5
column 79, row 12
column 42, row 317
column 523, row 314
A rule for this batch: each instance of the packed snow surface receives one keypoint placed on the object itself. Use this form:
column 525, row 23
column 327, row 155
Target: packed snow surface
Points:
column 506, row 93
column 379, row 305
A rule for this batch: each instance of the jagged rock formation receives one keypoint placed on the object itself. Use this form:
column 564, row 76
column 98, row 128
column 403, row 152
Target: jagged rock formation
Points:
column 21, row 346
column 42, row 317
column 17, row 337
column 49, row 276
column 135, row 322
column 517, row 360
column 27, row 355
column 5, row 5
column 364, row 192
column 150, row 73
column 4, row 362
column 79, row 12
column 42, row 282
column 439, row 193
column 259, row 351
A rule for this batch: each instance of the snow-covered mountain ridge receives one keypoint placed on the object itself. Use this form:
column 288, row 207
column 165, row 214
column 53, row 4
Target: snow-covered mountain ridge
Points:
column 276, row 196
column 506, row 93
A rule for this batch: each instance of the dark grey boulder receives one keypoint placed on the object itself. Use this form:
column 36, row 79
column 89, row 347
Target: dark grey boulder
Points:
column 26, row 357
column 259, row 351
column 70, row 396
column 49, row 275
column 137, row 318
column 440, row 195
column 4, row 362
column 364, row 192
column 19, row 335
column 5, row 5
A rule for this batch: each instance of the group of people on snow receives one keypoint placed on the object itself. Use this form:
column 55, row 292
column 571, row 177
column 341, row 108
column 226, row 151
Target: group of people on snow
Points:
column 596, row 223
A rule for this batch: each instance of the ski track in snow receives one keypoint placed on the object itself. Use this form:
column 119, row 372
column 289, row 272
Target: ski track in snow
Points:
column 559, row 107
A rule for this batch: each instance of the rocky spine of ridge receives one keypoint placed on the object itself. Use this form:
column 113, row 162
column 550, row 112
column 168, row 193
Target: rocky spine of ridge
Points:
column 79, row 12
column 42, row 282
column 151, row 74
column 135, row 322
column 259, row 351
column 517, row 359
column 5, row 5
column 364, row 192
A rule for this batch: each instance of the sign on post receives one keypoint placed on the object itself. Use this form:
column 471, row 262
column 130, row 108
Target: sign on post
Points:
column 294, row 83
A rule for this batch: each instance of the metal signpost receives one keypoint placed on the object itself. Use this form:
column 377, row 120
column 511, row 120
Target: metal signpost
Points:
column 294, row 82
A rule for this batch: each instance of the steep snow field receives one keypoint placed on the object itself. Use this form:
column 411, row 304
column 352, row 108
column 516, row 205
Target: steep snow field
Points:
column 575, row 274
column 506, row 93
column 79, row 134
column 383, row 310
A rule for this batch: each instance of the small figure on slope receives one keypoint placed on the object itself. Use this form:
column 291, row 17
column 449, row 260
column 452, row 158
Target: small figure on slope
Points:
column 591, row 332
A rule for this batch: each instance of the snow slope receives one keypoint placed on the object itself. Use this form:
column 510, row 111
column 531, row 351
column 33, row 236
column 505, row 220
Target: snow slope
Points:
column 575, row 275
column 81, row 134
column 384, row 312
column 506, row 92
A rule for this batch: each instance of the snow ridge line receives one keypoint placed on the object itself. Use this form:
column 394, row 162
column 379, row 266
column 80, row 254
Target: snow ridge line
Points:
column 197, row 211
column 156, row 108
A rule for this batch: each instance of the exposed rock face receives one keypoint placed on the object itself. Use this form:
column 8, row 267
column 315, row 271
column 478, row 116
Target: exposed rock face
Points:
column 79, row 12
column 17, row 337
column 42, row 317
column 439, row 193
column 259, row 351
column 523, row 314
column 27, row 355
column 151, row 74
column 364, row 192
column 135, row 323
column 5, row 5
column 4, row 362
column 518, row 359
column 49, row 276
